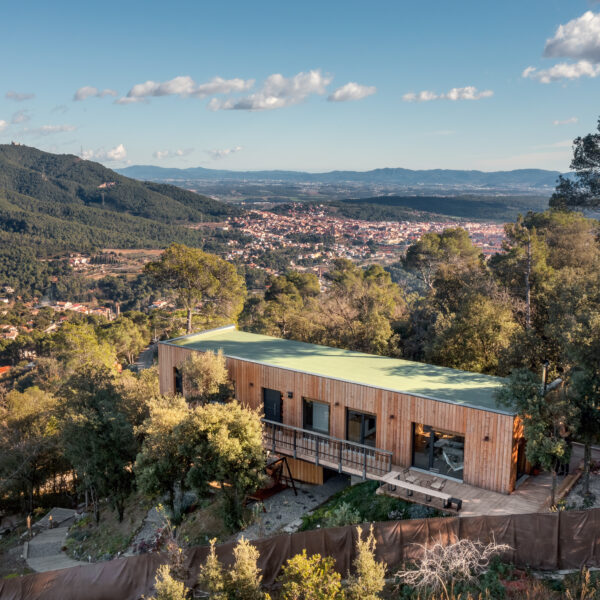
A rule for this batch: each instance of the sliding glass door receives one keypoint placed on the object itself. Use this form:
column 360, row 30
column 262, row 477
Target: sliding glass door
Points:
column 438, row 451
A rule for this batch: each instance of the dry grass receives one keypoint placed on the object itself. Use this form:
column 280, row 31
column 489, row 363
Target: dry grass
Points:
column 109, row 537
column 199, row 527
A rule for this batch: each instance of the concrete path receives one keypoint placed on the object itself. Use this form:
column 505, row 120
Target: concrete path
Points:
column 146, row 358
column 44, row 552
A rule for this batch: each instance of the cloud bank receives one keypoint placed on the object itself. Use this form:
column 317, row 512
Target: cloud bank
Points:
column 88, row 91
column 114, row 154
column 351, row 91
column 577, row 40
column 18, row 97
column 458, row 93
column 163, row 154
column 218, row 154
column 569, row 121
column 184, row 86
column 49, row 129
column 278, row 91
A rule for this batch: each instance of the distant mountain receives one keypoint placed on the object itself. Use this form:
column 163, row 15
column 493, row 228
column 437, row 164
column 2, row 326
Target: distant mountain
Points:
column 535, row 179
column 60, row 202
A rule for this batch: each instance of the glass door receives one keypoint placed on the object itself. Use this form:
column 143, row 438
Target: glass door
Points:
column 272, row 405
column 438, row 451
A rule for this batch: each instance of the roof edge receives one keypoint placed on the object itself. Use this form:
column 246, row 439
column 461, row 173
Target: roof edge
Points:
column 386, row 389
column 187, row 335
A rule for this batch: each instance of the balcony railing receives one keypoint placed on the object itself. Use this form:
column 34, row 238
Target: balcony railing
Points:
column 326, row 451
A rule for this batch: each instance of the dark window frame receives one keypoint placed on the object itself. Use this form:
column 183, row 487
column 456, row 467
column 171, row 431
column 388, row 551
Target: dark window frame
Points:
column 363, row 430
column 306, row 402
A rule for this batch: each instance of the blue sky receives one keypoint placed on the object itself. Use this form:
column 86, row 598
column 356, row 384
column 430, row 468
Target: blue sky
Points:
column 308, row 85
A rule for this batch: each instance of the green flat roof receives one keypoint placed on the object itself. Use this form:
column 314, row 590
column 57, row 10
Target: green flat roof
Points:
column 397, row 375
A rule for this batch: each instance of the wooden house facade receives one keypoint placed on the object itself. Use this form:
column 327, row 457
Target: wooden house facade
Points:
column 362, row 414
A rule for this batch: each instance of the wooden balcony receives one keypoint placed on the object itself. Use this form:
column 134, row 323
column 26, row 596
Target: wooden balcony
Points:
column 327, row 451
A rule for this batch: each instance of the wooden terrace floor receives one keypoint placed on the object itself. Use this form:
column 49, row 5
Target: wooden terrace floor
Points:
column 530, row 496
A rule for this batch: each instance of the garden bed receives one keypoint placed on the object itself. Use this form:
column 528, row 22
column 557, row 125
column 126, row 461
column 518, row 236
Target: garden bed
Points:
column 360, row 504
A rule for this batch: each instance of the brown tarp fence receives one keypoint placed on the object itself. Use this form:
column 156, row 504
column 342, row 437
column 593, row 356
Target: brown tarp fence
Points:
column 546, row 541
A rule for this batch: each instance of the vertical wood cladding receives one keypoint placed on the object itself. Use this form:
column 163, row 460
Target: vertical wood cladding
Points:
column 305, row 471
column 490, row 438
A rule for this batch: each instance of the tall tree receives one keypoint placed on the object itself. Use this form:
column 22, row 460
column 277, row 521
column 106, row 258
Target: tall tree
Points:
column 160, row 466
column 583, row 190
column 548, row 420
column 451, row 248
column 360, row 308
column 29, row 441
column 201, row 283
column 584, row 385
column 98, row 439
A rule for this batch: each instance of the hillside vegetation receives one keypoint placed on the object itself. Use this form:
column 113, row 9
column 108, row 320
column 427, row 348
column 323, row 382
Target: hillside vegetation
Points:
column 61, row 202
column 390, row 208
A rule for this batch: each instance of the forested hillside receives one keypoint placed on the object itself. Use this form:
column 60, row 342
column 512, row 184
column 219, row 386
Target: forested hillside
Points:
column 51, row 204
column 390, row 208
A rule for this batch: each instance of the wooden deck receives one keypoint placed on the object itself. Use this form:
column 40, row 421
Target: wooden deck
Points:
column 530, row 497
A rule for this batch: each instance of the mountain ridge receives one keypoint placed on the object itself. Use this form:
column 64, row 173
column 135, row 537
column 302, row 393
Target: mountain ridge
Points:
column 534, row 178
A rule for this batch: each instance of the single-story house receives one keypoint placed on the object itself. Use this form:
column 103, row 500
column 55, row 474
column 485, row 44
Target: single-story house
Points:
column 329, row 408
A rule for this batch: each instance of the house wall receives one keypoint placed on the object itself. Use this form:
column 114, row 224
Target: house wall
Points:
column 488, row 464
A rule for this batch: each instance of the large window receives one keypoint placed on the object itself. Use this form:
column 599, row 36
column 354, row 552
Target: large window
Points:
column 315, row 415
column 438, row 451
column 361, row 428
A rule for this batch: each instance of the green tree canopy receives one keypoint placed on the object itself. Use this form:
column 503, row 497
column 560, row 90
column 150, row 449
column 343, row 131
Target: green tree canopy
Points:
column 548, row 420
column 200, row 282
column 98, row 439
column 582, row 190
column 29, row 441
column 205, row 377
column 450, row 249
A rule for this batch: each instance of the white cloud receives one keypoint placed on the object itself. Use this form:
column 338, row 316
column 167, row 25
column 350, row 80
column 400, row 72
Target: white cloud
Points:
column 21, row 116
column 559, row 71
column 49, row 129
column 569, row 121
column 458, row 93
column 578, row 39
column 217, row 154
column 162, row 154
column 3, row 125
column 88, row 91
column 185, row 86
column 352, row 91
column 278, row 91
column 114, row 154
column 18, row 97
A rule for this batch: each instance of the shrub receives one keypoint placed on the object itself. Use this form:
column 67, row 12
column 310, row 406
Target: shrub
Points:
column 167, row 587
column 369, row 577
column 442, row 567
column 241, row 582
column 341, row 515
column 310, row 578
column 244, row 579
column 582, row 587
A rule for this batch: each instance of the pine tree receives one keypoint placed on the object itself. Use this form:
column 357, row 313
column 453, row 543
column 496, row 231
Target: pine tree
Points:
column 211, row 577
column 369, row 577
column 167, row 587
